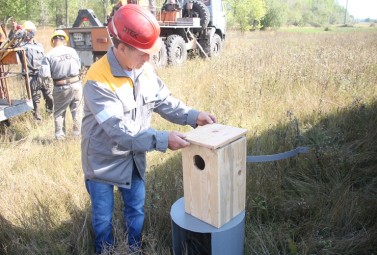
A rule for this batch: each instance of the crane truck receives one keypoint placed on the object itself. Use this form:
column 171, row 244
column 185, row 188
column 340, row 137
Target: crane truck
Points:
column 188, row 27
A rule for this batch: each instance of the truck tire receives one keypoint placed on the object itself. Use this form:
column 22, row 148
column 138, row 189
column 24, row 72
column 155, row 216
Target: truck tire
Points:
column 215, row 46
column 199, row 10
column 160, row 59
column 204, row 41
column 176, row 49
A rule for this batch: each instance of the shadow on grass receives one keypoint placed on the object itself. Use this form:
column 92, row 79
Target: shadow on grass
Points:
column 70, row 237
column 323, row 202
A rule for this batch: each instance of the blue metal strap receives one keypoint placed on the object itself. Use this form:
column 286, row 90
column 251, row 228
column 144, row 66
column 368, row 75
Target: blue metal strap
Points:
column 279, row 156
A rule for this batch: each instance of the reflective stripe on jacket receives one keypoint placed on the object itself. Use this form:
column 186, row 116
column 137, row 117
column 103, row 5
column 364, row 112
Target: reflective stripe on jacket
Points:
column 116, row 128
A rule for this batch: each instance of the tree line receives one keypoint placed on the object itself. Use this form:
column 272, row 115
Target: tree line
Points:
column 241, row 14
column 52, row 12
column 257, row 14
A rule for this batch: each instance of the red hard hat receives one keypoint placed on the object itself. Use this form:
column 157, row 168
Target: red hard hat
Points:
column 136, row 26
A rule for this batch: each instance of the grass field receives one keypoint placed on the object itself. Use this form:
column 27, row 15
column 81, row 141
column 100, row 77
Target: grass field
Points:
column 288, row 89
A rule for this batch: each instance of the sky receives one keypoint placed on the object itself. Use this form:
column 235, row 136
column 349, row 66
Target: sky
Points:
column 361, row 9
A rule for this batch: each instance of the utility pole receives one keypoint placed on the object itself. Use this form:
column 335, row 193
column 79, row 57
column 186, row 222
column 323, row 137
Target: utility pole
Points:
column 66, row 13
column 345, row 14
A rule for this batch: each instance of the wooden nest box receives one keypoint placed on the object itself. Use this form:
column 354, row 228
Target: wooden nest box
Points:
column 214, row 173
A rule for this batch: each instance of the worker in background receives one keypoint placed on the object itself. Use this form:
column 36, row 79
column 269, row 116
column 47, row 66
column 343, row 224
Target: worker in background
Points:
column 14, row 28
column 116, row 7
column 63, row 65
column 121, row 91
column 34, row 54
column 147, row 4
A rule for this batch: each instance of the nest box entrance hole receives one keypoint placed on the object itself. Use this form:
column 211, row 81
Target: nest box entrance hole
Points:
column 199, row 162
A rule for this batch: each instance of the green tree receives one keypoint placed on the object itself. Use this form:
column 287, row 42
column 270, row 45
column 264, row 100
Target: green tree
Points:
column 246, row 14
column 313, row 12
column 15, row 9
column 276, row 14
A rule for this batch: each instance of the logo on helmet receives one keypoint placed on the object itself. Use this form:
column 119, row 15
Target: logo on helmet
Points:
column 130, row 32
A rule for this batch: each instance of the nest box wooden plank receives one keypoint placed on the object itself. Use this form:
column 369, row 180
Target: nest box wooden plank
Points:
column 214, row 173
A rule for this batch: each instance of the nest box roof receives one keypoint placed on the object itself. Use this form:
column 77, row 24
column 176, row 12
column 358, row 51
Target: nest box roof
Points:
column 214, row 136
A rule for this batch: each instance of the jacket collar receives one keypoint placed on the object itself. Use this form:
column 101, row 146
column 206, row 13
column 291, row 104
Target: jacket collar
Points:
column 116, row 69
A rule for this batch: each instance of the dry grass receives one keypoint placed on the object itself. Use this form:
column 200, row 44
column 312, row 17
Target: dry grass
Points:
column 43, row 35
column 287, row 89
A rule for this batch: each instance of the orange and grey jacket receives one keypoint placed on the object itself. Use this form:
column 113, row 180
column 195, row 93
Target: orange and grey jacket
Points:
column 116, row 132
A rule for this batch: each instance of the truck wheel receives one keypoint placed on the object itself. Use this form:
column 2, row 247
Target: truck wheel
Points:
column 204, row 41
column 199, row 10
column 160, row 59
column 215, row 46
column 176, row 49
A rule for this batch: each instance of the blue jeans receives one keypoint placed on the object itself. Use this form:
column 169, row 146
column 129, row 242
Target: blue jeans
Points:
column 102, row 200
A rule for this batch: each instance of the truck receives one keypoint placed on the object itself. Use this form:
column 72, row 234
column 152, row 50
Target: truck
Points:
column 188, row 28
